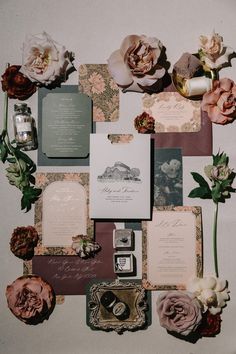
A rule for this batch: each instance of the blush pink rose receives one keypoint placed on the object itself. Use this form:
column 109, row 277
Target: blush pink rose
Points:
column 220, row 102
column 179, row 312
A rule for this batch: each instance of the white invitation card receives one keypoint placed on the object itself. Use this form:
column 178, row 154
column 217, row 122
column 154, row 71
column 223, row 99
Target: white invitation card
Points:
column 120, row 176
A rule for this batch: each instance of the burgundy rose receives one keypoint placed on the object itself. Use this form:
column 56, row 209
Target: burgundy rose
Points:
column 23, row 241
column 144, row 123
column 210, row 325
column 16, row 84
column 179, row 312
column 30, row 299
column 220, row 102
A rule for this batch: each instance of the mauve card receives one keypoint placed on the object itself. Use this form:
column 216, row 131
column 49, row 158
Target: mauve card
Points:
column 69, row 275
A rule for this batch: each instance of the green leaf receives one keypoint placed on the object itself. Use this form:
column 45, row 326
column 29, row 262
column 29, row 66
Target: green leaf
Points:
column 21, row 155
column 3, row 152
column 199, row 179
column 29, row 197
column 200, row 192
column 220, row 159
column 11, row 159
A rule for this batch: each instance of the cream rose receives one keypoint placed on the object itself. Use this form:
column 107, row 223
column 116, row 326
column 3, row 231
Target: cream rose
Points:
column 211, row 292
column 179, row 312
column 135, row 66
column 30, row 299
column 213, row 52
column 44, row 60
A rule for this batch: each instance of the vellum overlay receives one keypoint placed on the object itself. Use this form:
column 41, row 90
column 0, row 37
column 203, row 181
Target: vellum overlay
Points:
column 172, row 247
column 172, row 112
column 64, row 213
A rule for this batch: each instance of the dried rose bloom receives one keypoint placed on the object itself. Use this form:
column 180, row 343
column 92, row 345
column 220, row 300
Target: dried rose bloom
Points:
column 16, row 84
column 210, row 325
column 23, row 241
column 144, row 123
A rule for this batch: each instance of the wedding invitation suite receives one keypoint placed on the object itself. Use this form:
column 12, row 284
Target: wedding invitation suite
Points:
column 120, row 176
column 66, row 125
column 172, row 112
column 172, row 251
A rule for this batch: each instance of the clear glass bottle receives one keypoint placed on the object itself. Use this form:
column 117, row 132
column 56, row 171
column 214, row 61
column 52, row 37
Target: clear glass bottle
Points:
column 24, row 127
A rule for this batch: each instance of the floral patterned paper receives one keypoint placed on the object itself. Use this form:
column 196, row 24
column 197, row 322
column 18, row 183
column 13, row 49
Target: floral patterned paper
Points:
column 96, row 82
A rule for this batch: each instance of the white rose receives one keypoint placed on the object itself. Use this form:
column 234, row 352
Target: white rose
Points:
column 211, row 292
column 44, row 60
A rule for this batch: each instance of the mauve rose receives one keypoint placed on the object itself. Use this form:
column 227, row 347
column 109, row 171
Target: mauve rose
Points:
column 179, row 312
column 134, row 66
column 30, row 299
column 16, row 84
column 220, row 102
column 44, row 60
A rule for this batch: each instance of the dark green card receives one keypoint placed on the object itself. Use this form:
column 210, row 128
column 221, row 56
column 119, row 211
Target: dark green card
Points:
column 64, row 125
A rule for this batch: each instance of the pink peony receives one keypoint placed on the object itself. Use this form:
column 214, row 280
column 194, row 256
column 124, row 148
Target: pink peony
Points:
column 220, row 102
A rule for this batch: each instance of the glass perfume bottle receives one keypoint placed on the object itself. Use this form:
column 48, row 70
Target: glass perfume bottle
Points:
column 24, row 127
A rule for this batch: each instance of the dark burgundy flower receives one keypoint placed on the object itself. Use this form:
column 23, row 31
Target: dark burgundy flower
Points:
column 23, row 241
column 144, row 123
column 16, row 84
column 210, row 325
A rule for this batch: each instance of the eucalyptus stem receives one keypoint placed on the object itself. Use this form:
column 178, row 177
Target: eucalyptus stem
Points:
column 215, row 240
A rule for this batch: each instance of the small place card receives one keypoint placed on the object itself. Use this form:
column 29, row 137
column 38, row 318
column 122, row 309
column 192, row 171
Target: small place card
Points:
column 172, row 112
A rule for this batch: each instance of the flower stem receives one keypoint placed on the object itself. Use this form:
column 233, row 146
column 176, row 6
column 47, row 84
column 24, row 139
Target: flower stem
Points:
column 215, row 240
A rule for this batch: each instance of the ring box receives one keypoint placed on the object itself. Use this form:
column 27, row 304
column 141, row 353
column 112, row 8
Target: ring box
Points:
column 124, row 263
column 123, row 239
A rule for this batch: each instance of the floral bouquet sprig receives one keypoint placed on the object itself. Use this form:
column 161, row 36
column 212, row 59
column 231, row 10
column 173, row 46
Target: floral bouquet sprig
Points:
column 221, row 178
column 21, row 167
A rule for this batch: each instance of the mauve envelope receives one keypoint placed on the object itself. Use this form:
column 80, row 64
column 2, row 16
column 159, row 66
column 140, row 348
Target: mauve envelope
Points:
column 69, row 275
column 192, row 144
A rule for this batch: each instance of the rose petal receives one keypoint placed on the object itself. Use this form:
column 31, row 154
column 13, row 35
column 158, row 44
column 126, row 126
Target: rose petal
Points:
column 220, row 284
column 118, row 69
column 128, row 42
column 226, row 84
column 208, row 283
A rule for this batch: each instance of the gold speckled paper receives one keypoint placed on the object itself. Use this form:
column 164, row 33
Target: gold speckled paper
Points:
column 96, row 82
